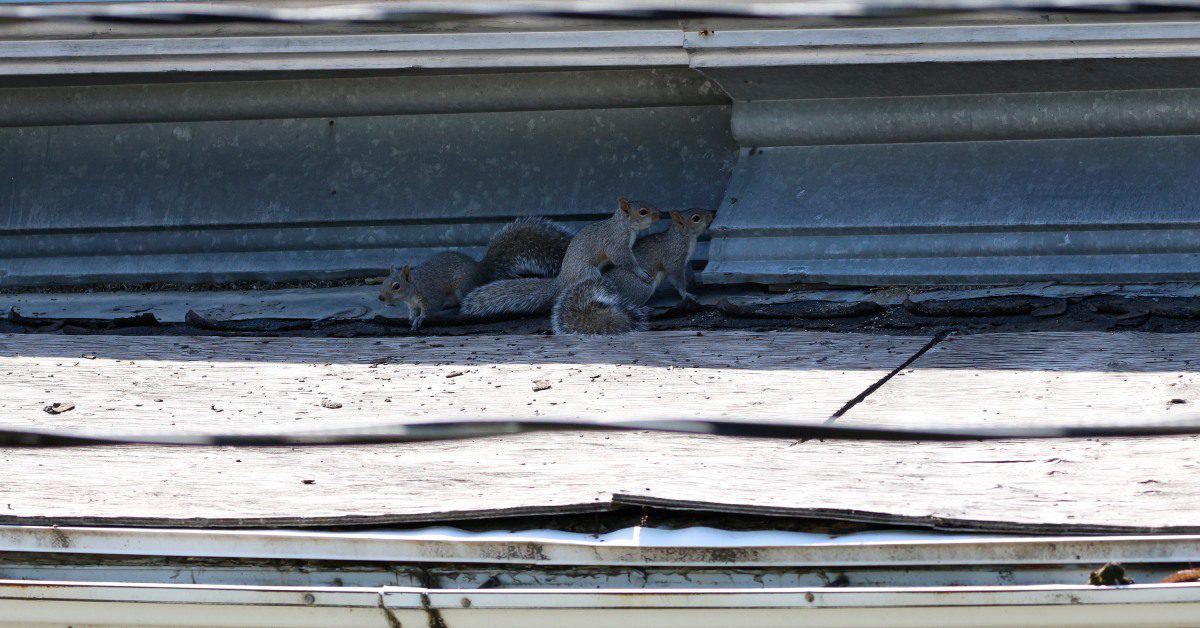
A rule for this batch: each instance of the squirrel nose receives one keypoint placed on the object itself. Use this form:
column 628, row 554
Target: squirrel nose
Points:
column 382, row 299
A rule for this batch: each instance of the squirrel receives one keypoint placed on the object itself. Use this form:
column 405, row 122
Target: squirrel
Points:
column 600, row 243
column 526, row 245
column 613, row 304
column 664, row 255
column 443, row 279
column 591, row 307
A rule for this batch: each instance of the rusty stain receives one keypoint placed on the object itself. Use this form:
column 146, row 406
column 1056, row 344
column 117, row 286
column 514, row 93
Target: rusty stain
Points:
column 61, row 540
column 435, row 617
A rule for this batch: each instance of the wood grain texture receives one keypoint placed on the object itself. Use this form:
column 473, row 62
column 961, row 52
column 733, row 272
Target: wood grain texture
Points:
column 1013, row 379
column 1064, row 487
column 239, row 384
column 1132, row 485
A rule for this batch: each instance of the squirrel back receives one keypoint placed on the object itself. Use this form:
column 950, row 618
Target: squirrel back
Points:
column 600, row 243
column 607, row 241
column 443, row 279
column 526, row 246
column 591, row 307
column 663, row 255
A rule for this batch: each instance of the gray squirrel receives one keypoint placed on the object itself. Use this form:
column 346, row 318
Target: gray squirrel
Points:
column 524, row 246
column 664, row 255
column 443, row 279
column 614, row 303
column 600, row 243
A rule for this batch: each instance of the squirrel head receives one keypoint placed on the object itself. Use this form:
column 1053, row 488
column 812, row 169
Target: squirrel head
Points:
column 692, row 221
column 397, row 286
column 641, row 215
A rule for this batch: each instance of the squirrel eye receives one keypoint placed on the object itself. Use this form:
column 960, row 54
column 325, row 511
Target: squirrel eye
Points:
column 695, row 217
column 396, row 286
column 643, row 212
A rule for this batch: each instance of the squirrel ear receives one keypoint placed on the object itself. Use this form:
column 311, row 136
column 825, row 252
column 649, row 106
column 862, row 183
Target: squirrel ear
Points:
column 676, row 217
column 406, row 273
column 624, row 204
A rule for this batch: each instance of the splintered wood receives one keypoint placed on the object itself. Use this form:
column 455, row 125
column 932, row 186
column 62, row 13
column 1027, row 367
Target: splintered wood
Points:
column 224, row 384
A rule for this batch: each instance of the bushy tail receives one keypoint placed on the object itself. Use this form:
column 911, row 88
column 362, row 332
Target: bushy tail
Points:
column 593, row 308
column 525, row 247
column 510, row 296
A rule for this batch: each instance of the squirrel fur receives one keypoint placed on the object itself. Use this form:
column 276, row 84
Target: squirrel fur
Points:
column 613, row 304
column 591, row 307
column 443, row 279
column 524, row 247
column 664, row 255
column 598, row 244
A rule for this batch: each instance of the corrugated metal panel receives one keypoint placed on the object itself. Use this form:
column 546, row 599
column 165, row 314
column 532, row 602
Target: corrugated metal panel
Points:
column 959, row 155
column 866, row 152
column 252, row 180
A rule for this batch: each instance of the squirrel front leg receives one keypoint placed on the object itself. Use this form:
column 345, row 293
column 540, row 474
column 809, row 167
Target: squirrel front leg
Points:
column 429, row 305
column 679, row 279
column 416, row 313
column 622, row 257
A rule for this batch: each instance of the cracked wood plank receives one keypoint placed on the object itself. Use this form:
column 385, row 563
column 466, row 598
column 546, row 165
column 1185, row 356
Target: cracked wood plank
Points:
column 1040, row 379
column 1069, row 486
column 246, row 384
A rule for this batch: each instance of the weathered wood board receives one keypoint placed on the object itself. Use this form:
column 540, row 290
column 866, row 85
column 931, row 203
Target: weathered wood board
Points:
column 1013, row 379
column 226, row 384
column 1070, row 486
column 358, row 301
column 1061, row 486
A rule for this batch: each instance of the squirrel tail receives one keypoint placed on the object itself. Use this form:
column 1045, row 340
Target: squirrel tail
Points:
column 591, row 307
column 527, row 246
column 531, row 295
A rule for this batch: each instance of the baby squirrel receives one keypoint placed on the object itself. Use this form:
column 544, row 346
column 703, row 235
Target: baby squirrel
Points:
column 524, row 246
column 663, row 255
column 600, row 243
column 443, row 279
column 613, row 304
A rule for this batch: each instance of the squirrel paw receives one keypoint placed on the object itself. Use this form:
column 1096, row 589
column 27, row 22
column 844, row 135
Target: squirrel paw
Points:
column 416, row 322
column 643, row 276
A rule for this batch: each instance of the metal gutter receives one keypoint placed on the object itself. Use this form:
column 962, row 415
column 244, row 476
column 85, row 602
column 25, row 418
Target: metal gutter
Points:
column 22, row 603
column 713, row 44
column 668, row 548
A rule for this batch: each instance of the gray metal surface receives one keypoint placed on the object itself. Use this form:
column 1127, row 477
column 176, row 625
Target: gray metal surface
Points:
column 985, row 155
column 877, row 151
column 964, row 212
column 313, row 197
